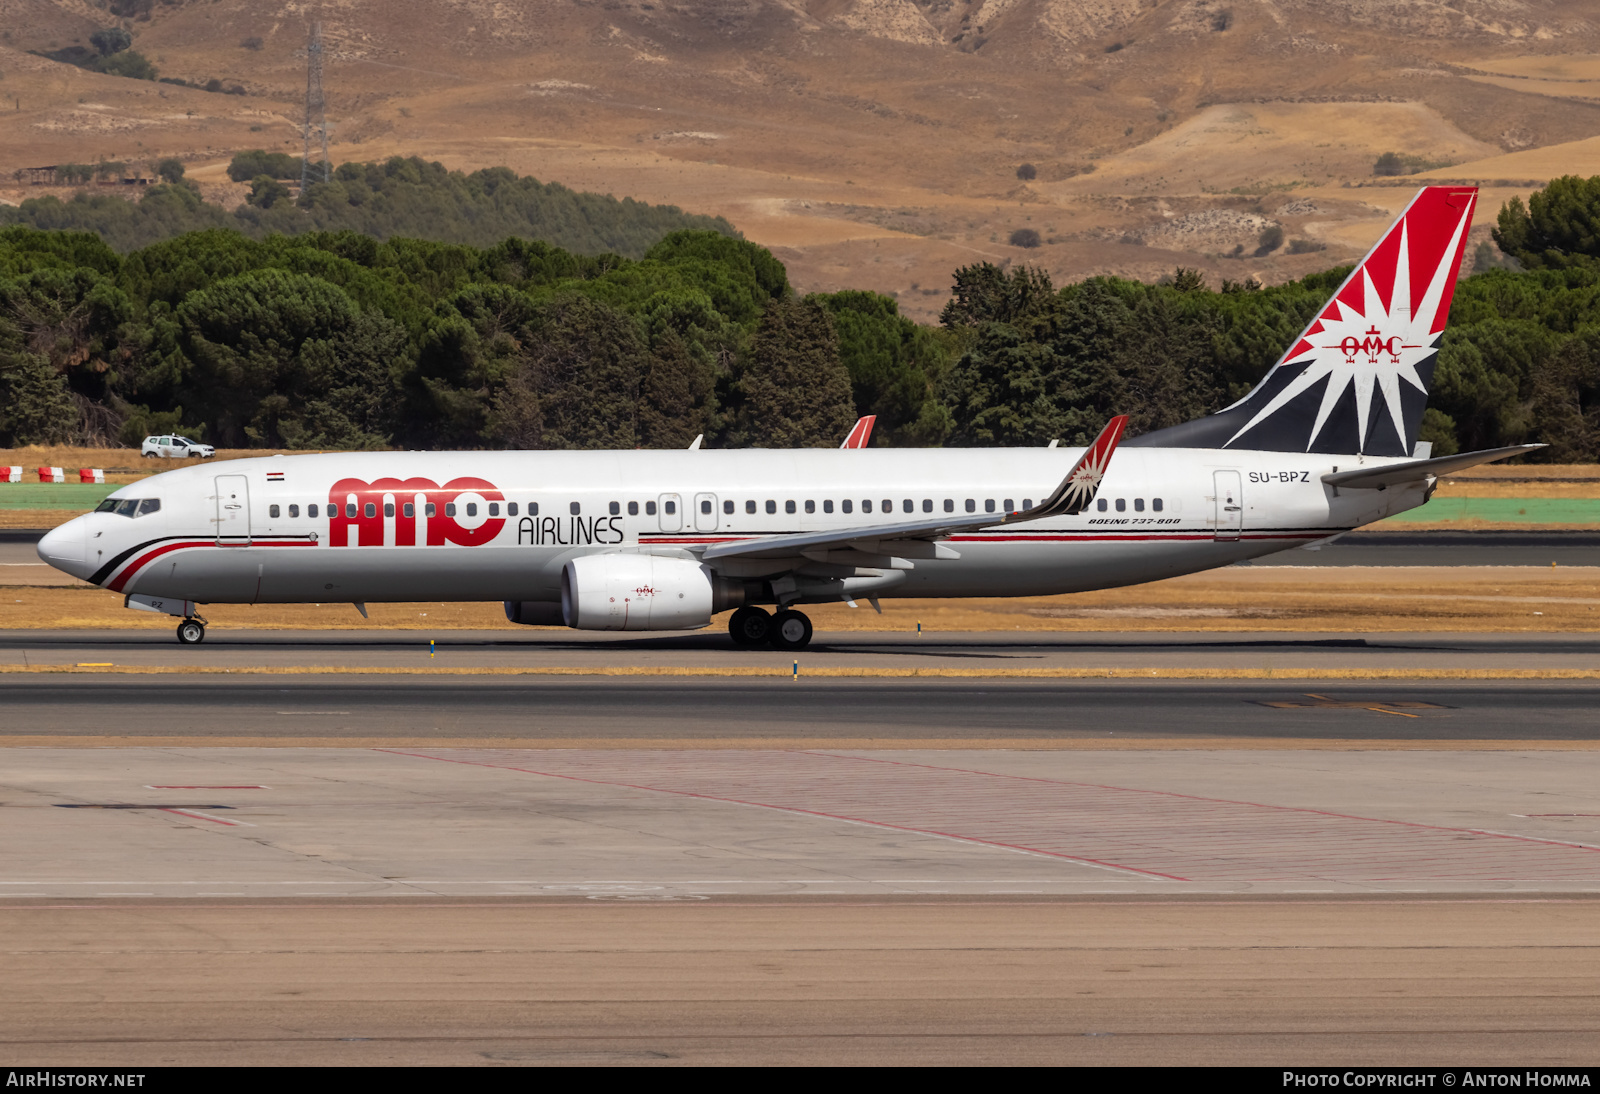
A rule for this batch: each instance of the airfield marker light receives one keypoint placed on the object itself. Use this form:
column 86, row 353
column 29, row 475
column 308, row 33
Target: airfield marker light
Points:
column 797, row 670
column 430, row 649
column 919, row 628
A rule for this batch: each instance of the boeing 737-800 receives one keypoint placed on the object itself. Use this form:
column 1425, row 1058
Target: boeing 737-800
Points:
column 651, row 540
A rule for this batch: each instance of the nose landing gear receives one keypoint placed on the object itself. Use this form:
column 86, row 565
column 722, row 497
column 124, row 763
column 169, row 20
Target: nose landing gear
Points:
column 191, row 631
column 789, row 630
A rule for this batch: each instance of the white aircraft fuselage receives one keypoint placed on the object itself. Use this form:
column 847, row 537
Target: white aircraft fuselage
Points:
column 504, row 524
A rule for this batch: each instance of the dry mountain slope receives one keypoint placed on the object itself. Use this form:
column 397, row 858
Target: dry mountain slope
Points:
column 874, row 143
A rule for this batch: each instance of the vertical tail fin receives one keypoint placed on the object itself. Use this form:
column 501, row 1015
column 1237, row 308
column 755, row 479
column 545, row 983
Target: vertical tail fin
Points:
column 1357, row 379
column 860, row 433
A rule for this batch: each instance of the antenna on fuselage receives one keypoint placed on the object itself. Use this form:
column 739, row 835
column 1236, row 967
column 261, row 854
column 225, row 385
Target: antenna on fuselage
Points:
column 694, row 445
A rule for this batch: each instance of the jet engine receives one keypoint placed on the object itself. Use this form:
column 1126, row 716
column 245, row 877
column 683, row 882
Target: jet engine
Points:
column 642, row 593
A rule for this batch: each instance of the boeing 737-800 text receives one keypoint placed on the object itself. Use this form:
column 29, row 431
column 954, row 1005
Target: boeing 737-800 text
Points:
column 656, row 540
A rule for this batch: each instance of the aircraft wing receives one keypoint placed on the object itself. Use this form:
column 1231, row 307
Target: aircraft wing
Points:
column 1070, row 498
column 1394, row 474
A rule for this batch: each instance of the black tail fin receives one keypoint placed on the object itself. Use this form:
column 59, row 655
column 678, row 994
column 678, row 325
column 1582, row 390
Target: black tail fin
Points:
column 1357, row 379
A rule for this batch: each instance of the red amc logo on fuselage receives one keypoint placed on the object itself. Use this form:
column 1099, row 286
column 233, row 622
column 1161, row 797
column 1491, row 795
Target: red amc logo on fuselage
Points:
column 362, row 513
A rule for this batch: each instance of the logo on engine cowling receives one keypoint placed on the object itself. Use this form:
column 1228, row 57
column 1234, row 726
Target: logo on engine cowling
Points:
column 414, row 512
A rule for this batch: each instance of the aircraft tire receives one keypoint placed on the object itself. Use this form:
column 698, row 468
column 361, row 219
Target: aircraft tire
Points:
column 750, row 626
column 191, row 632
column 791, row 631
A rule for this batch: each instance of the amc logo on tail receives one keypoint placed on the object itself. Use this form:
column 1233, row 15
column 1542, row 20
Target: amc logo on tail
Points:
column 373, row 514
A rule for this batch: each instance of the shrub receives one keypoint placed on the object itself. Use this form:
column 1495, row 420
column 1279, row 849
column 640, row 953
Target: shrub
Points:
column 252, row 42
column 1270, row 240
column 1306, row 246
column 1025, row 237
column 1027, row 172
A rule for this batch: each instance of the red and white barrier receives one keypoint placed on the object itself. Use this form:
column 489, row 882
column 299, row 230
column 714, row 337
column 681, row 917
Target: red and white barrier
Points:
column 52, row 474
column 10, row 474
column 91, row 474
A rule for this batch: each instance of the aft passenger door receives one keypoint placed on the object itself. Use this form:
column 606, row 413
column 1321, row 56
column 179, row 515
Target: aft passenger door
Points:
column 1229, row 504
column 233, row 509
column 670, row 512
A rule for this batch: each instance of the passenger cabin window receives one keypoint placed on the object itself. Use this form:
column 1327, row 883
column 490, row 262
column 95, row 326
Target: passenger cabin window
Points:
column 511, row 509
column 294, row 510
column 927, row 505
column 633, row 509
column 1101, row 504
column 576, row 509
column 1155, row 503
column 388, row 508
column 533, row 509
column 827, row 505
column 1138, row 505
column 811, row 506
column 272, row 511
column 1122, row 505
column 428, row 511
column 1027, row 503
column 866, row 505
column 788, row 507
column 705, row 506
column 371, row 509
column 1008, row 506
column 311, row 511
column 650, row 508
column 349, row 509
column 988, row 505
column 494, row 509
column 671, row 507
column 972, row 506
column 772, row 507
column 888, row 505
column 409, row 509
column 949, row 505
column 449, row 508
column 615, row 509
column 727, row 506
column 844, row 506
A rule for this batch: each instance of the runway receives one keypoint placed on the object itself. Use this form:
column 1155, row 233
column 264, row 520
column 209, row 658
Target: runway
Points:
column 349, row 848
column 565, row 710
column 997, row 651
column 543, row 906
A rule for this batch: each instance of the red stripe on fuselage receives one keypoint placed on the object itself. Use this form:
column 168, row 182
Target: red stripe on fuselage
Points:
column 117, row 583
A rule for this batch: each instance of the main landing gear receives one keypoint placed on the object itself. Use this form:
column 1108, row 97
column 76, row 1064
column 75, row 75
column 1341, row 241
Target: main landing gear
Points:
column 789, row 630
column 191, row 631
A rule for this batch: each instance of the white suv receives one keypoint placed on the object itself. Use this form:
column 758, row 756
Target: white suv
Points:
column 174, row 446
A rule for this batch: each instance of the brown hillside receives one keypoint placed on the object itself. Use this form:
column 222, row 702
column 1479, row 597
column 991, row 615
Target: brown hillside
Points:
column 871, row 143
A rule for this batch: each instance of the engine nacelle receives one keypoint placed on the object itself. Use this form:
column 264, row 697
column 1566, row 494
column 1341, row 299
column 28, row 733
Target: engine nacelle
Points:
column 535, row 613
column 642, row 593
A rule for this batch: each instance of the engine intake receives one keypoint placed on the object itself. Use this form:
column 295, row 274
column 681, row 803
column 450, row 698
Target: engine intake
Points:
column 642, row 593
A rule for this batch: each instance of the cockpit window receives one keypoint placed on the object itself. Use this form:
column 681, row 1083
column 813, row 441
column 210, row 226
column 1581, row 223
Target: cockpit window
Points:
column 129, row 507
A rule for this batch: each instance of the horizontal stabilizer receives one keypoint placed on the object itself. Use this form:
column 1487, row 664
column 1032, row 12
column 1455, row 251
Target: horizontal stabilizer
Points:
column 1396, row 474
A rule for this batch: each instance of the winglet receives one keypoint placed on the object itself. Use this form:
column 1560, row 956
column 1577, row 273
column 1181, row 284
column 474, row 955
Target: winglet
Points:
column 1077, row 490
column 860, row 432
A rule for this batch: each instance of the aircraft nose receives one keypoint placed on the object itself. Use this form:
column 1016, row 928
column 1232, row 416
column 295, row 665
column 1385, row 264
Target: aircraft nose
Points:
column 66, row 547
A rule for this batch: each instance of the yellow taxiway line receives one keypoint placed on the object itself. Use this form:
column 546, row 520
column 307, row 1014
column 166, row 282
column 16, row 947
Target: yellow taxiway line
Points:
column 825, row 671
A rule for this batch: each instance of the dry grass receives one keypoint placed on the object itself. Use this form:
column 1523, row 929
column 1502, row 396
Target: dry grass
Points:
column 1237, row 599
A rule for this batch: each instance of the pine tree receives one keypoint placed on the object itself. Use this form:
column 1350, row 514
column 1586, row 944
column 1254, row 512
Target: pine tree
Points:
column 672, row 400
column 794, row 391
